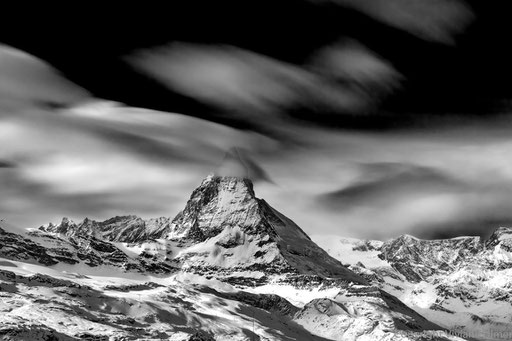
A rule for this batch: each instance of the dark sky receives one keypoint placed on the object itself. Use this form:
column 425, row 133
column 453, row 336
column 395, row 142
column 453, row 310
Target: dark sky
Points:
column 369, row 118
column 456, row 64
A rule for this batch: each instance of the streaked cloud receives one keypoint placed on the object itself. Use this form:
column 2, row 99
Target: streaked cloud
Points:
column 96, row 158
column 380, row 181
column 433, row 20
column 238, row 163
column 348, row 61
column 26, row 78
column 264, row 93
column 382, row 185
column 374, row 185
column 6, row 164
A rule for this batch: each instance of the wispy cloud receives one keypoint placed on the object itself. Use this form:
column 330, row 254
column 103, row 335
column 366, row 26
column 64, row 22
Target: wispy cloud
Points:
column 94, row 157
column 238, row 163
column 6, row 164
column 374, row 185
column 380, row 182
column 97, row 158
column 26, row 78
column 263, row 92
column 433, row 20
column 349, row 62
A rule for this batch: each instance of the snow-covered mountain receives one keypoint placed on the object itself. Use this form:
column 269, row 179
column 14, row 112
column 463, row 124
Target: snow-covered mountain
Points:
column 462, row 283
column 129, row 229
column 224, row 231
column 228, row 267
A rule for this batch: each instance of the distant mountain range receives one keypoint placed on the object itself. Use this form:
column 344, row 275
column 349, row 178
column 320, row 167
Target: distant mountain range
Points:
column 462, row 283
column 231, row 267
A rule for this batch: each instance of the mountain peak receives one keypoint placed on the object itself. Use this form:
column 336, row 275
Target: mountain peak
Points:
column 65, row 227
column 408, row 237
column 66, row 220
column 230, row 228
column 229, row 183
column 227, row 232
column 503, row 230
column 129, row 229
column 499, row 236
column 218, row 202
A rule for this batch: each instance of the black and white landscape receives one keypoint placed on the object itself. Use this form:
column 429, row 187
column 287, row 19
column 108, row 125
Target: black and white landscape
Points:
column 231, row 267
column 256, row 170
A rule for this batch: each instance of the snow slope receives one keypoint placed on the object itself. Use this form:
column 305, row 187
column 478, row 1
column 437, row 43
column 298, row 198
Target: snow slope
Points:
column 41, row 303
column 462, row 284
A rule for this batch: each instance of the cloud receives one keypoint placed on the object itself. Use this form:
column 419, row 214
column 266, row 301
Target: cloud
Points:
column 26, row 78
column 27, row 202
column 82, row 161
column 424, row 201
column 381, row 185
column 434, row 20
column 268, row 94
column 479, row 212
column 102, row 158
column 163, row 136
column 350, row 62
column 482, row 226
column 380, row 182
column 6, row 164
column 238, row 163
column 94, row 157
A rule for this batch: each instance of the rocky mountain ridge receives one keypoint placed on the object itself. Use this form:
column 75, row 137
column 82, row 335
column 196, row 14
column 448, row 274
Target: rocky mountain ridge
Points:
column 127, row 229
column 460, row 283
column 225, row 235
column 223, row 230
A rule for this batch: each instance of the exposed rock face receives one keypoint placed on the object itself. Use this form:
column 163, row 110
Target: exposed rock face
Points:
column 50, row 249
column 200, row 336
column 32, row 332
column 128, row 229
column 231, row 230
column 14, row 246
column 219, row 203
column 418, row 259
column 498, row 249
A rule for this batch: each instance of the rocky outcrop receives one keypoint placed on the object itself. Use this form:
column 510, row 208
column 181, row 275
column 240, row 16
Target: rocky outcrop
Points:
column 419, row 259
column 127, row 229
column 14, row 246
column 33, row 333
column 50, row 249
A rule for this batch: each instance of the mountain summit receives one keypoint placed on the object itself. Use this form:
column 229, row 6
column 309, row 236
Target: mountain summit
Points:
column 232, row 229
